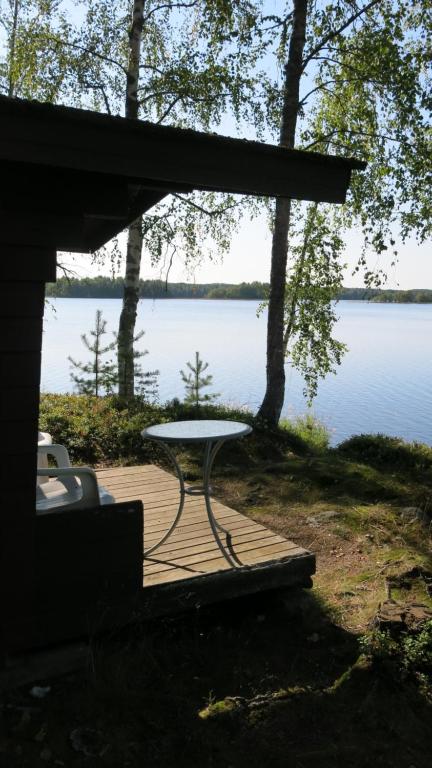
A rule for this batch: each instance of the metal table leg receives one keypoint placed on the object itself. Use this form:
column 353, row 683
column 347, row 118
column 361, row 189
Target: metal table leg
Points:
column 181, row 504
column 210, row 451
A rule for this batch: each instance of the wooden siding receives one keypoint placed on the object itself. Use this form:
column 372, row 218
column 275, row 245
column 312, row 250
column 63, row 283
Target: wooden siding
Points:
column 22, row 275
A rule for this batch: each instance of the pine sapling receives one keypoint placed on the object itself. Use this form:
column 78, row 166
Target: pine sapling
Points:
column 102, row 377
column 99, row 375
column 195, row 382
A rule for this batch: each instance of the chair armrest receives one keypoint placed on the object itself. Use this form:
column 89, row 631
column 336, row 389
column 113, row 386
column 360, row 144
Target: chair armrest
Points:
column 44, row 438
column 58, row 452
column 86, row 475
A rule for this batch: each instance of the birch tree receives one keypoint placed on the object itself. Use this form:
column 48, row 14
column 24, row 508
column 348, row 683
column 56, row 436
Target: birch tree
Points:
column 180, row 85
column 29, row 68
column 185, row 63
column 125, row 340
column 356, row 81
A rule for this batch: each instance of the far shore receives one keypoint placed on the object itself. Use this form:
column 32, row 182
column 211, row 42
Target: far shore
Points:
column 112, row 288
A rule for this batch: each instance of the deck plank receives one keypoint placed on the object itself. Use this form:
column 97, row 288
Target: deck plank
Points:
column 191, row 552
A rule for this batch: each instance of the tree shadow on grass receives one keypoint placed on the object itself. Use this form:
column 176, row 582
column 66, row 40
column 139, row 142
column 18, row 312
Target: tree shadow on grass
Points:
column 365, row 719
column 300, row 698
column 334, row 479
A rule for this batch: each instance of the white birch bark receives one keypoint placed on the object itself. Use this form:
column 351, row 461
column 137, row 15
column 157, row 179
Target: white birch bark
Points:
column 271, row 406
column 128, row 314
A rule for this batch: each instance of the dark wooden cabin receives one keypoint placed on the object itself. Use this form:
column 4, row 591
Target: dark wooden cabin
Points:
column 71, row 180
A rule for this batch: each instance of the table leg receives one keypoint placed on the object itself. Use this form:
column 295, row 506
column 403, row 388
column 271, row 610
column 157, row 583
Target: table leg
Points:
column 210, row 452
column 181, row 504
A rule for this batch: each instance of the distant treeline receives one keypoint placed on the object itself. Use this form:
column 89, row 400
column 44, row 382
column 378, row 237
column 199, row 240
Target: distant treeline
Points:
column 107, row 288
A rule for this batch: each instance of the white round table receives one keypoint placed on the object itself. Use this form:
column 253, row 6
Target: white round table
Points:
column 213, row 434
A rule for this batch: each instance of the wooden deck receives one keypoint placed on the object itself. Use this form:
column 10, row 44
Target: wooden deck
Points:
column 189, row 568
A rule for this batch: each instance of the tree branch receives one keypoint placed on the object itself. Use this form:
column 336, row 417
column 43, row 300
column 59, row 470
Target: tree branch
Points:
column 170, row 6
column 338, row 81
column 101, row 88
column 336, row 32
column 68, row 273
column 92, row 52
column 366, row 134
column 278, row 21
column 152, row 68
column 299, row 273
column 169, row 108
column 204, row 210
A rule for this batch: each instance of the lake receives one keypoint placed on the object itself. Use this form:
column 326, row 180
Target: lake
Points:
column 383, row 385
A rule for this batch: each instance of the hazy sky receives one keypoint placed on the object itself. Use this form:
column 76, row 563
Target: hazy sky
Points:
column 249, row 259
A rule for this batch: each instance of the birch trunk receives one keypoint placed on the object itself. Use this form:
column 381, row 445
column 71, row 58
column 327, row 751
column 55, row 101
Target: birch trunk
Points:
column 271, row 406
column 11, row 86
column 128, row 314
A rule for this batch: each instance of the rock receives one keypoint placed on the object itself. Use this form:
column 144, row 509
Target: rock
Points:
column 390, row 616
column 414, row 513
column 399, row 617
column 322, row 517
column 40, row 691
column 417, row 615
column 41, row 734
column 46, row 754
column 405, row 580
column 88, row 741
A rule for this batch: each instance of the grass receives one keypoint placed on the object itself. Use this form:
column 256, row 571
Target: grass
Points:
column 283, row 679
column 309, row 429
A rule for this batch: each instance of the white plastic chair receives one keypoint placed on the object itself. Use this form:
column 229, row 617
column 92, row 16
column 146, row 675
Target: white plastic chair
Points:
column 72, row 488
column 44, row 438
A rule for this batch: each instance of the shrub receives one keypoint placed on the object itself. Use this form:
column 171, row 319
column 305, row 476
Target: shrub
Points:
column 108, row 429
column 412, row 650
column 383, row 451
column 417, row 650
column 97, row 429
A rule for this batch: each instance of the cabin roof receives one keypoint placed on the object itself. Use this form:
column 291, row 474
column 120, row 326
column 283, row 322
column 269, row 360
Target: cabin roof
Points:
column 72, row 179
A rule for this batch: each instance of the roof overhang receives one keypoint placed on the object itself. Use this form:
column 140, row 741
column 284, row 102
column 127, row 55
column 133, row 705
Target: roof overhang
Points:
column 72, row 179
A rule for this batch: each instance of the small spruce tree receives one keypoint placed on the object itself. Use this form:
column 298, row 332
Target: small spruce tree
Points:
column 195, row 382
column 100, row 376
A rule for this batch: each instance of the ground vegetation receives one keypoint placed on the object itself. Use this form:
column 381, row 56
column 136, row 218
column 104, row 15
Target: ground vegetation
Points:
column 337, row 675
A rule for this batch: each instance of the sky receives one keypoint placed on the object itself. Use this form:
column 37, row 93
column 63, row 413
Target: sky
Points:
column 249, row 260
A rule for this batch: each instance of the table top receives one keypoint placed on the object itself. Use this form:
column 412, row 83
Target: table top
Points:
column 199, row 431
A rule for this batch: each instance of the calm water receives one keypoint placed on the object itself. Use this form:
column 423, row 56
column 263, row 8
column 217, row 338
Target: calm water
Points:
column 383, row 385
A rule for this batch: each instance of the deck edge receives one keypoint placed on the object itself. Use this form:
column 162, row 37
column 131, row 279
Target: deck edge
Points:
column 192, row 593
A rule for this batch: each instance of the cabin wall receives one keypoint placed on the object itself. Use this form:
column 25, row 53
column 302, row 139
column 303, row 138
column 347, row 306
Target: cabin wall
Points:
column 23, row 273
